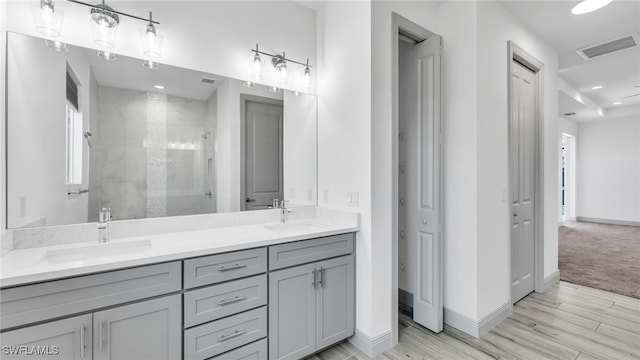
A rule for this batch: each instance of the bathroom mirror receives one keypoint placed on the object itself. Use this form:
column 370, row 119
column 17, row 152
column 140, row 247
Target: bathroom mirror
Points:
column 85, row 133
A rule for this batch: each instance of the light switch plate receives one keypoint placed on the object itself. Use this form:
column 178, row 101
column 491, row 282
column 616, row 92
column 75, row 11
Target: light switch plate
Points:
column 352, row 198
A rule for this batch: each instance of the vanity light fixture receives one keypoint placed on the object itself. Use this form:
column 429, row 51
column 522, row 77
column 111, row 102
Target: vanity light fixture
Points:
column 151, row 39
column 279, row 63
column 107, row 55
column 587, row 6
column 57, row 46
column 274, row 89
column 46, row 17
column 150, row 64
column 105, row 20
column 248, row 84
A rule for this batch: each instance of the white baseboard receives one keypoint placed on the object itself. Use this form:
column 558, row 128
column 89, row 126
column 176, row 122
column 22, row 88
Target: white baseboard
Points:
column 549, row 281
column 609, row 221
column 477, row 328
column 371, row 346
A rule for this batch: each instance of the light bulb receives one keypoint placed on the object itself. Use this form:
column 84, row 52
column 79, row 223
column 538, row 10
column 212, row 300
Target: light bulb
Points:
column 151, row 41
column 257, row 67
column 47, row 19
column 306, row 79
column 281, row 68
column 587, row 6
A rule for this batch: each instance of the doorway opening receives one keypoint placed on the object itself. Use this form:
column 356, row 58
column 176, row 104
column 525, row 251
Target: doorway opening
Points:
column 261, row 167
column 567, row 178
column 417, row 255
column 526, row 172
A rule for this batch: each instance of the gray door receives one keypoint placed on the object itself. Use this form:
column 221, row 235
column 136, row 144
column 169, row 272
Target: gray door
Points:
column 147, row 330
column 67, row 339
column 334, row 301
column 263, row 153
column 521, row 168
column 424, row 209
column 292, row 313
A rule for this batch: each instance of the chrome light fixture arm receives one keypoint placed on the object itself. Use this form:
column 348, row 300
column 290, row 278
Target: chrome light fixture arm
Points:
column 106, row 8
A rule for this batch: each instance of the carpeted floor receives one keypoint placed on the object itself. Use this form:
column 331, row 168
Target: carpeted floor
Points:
column 602, row 256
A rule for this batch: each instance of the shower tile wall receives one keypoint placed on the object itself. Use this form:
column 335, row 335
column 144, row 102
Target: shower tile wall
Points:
column 120, row 157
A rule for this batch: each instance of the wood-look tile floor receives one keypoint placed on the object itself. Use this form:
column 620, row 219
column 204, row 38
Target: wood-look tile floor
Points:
column 567, row 322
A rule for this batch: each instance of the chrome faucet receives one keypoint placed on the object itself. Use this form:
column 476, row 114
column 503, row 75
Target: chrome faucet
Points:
column 283, row 211
column 104, row 217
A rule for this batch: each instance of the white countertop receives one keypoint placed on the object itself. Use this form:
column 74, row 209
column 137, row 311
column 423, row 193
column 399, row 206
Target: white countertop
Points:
column 24, row 266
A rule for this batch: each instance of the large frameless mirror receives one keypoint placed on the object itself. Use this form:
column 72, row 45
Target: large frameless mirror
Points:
column 85, row 132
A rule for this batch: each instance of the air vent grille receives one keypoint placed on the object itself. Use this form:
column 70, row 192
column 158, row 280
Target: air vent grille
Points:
column 208, row 80
column 625, row 42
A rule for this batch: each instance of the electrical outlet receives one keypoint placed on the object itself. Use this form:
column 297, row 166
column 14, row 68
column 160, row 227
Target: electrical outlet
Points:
column 292, row 193
column 23, row 206
column 352, row 198
column 325, row 196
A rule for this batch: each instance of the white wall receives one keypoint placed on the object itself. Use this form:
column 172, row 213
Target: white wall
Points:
column 344, row 147
column 209, row 36
column 496, row 26
column 38, row 134
column 300, row 149
column 5, row 241
column 608, row 170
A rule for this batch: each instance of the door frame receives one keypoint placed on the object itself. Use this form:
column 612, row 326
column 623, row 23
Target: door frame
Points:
column 415, row 31
column 244, row 98
column 516, row 53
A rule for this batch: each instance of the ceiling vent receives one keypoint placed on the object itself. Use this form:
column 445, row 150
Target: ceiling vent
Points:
column 207, row 80
column 608, row 47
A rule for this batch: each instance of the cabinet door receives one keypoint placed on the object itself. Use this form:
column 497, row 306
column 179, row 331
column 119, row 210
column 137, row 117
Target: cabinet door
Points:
column 147, row 330
column 63, row 339
column 334, row 301
column 292, row 311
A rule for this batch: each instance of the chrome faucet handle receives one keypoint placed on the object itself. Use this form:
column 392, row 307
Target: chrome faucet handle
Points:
column 283, row 204
column 104, row 215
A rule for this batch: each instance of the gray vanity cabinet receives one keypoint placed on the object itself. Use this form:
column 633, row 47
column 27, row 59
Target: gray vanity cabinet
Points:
column 334, row 301
column 311, row 306
column 68, row 339
column 144, row 330
column 292, row 312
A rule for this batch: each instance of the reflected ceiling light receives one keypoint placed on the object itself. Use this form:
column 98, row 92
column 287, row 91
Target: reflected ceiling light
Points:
column 587, row 6
column 46, row 17
column 597, row 87
column 274, row 89
column 57, row 46
column 280, row 63
column 151, row 39
column 150, row 64
column 107, row 55
column 159, row 87
column 617, row 103
column 248, row 84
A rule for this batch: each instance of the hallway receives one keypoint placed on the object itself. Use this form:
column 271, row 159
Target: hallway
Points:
column 567, row 322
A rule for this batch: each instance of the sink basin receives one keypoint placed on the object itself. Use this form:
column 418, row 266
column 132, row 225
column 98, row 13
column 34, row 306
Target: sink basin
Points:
column 293, row 227
column 98, row 251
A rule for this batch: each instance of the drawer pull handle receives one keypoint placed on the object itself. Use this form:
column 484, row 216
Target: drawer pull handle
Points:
column 231, row 267
column 101, row 335
column 232, row 301
column 235, row 334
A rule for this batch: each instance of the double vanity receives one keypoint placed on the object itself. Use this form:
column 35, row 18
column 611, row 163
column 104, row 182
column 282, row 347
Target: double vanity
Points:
column 257, row 291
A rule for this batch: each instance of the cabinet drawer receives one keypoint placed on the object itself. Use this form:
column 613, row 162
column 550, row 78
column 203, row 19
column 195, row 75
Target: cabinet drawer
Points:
column 306, row 251
column 218, row 268
column 34, row 303
column 205, row 341
column 254, row 351
column 215, row 302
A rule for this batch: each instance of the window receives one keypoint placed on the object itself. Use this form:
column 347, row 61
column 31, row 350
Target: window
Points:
column 74, row 132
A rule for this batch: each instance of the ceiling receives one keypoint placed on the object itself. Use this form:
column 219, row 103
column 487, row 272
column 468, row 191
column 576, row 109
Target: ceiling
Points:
column 128, row 73
column 619, row 72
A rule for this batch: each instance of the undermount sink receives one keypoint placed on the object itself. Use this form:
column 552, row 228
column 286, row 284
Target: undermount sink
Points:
column 98, row 251
column 293, row 227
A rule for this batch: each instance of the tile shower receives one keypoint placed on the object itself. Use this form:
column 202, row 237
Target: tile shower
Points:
column 153, row 154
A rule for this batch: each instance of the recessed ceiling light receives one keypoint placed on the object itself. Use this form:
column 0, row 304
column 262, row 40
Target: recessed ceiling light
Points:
column 617, row 103
column 159, row 87
column 587, row 6
column 597, row 87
